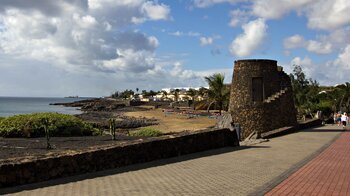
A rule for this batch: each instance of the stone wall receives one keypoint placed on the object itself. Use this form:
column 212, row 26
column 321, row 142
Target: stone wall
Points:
column 287, row 130
column 12, row 174
column 277, row 108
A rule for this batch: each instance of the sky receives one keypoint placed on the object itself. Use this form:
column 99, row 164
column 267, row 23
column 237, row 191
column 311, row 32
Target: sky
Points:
column 95, row 47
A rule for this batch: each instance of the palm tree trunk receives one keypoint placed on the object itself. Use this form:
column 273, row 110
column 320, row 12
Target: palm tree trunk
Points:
column 341, row 102
column 210, row 106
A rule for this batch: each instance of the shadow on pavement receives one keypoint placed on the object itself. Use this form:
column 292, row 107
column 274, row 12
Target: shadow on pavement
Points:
column 125, row 169
column 330, row 128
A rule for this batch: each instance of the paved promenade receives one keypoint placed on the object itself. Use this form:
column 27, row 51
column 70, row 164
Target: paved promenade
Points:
column 327, row 174
column 250, row 170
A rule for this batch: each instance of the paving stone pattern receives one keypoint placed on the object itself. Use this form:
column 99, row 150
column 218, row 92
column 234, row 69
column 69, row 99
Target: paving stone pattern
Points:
column 228, row 171
column 327, row 174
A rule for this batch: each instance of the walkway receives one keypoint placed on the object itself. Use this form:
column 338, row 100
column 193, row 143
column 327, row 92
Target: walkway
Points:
column 327, row 174
column 228, row 171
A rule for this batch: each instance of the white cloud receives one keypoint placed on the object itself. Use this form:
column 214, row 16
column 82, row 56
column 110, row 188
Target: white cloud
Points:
column 180, row 33
column 294, row 41
column 193, row 34
column 126, row 11
column 92, row 41
column 344, row 58
column 328, row 14
column 174, row 73
column 207, row 3
column 153, row 41
column 335, row 71
column 306, row 61
column 206, row 41
column 321, row 14
column 85, row 21
column 177, row 33
column 130, row 60
column 152, row 11
column 250, row 40
column 29, row 78
column 326, row 73
column 50, row 8
column 177, row 70
column 275, row 9
column 319, row 47
column 156, row 11
column 101, row 4
column 90, row 58
column 238, row 17
column 79, row 36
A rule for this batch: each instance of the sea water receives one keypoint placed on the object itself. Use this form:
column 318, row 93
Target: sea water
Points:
column 25, row 105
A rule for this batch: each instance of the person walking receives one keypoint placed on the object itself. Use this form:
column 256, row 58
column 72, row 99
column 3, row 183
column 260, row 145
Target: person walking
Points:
column 344, row 119
column 339, row 118
column 335, row 117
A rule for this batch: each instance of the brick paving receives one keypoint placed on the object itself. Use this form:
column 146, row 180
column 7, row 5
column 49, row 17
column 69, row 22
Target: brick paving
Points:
column 246, row 170
column 327, row 174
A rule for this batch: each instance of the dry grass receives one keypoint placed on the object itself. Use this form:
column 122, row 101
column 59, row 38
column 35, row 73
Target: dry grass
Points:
column 174, row 122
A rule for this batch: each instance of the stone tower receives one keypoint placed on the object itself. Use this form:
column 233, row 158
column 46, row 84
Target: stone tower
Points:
column 261, row 97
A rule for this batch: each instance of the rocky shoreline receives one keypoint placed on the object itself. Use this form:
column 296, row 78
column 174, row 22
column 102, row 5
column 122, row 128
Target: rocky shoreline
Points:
column 98, row 104
column 98, row 111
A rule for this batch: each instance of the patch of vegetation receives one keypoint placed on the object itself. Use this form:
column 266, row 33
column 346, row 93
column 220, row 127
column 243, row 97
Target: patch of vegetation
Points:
column 146, row 132
column 31, row 125
column 310, row 97
column 218, row 93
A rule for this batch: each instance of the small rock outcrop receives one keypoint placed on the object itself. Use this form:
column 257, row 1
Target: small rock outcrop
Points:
column 225, row 122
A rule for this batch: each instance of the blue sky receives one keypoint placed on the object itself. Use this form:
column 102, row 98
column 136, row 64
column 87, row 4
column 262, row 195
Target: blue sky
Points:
column 94, row 47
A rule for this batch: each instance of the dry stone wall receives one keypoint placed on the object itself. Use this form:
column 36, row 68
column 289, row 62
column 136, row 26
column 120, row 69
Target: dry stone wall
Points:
column 12, row 174
column 276, row 109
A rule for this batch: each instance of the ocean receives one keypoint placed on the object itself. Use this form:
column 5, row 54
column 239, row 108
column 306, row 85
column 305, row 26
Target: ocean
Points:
column 25, row 105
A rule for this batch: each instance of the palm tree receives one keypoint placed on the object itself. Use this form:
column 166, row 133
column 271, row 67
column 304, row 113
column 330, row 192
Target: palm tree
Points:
column 336, row 97
column 202, row 92
column 176, row 94
column 217, row 93
column 164, row 95
column 193, row 93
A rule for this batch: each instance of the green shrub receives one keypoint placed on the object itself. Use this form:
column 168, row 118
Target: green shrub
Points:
column 146, row 132
column 325, row 107
column 30, row 125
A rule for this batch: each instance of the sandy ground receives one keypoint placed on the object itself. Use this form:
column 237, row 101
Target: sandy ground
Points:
column 173, row 122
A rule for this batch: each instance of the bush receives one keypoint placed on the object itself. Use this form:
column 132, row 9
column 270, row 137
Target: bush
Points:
column 325, row 107
column 146, row 132
column 30, row 125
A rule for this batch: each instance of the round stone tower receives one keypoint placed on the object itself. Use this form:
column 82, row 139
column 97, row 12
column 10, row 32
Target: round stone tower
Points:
column 261, row 97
